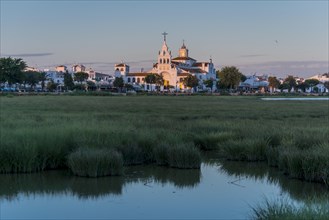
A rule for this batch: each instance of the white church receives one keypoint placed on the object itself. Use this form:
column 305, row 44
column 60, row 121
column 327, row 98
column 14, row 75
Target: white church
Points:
column 173, row 70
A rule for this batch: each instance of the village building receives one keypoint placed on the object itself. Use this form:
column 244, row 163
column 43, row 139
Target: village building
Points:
column 173, row 70
column 255, row 83
column 321, row 77
column 78, row 68
column 61, row 68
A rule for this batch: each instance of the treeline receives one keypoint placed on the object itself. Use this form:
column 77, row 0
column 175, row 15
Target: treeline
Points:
column 13, row 71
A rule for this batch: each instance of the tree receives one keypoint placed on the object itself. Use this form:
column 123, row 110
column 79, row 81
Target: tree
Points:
column 273, row 82
column 303, row 86
column 128, row 86
column 42, row 79
column 229, row 77
column 90, row 85
column 283, row 86
column 326, row 84
column 31, row 77
column 159, row 81
column 243, row 78
column 11, row 70
column 51, row 86
column 151, row 79
column 68, row 81
column 80, row 76
column 290, row 82
column 191, row 81
column 118, row 82
column 208, row 83
column 311, row 83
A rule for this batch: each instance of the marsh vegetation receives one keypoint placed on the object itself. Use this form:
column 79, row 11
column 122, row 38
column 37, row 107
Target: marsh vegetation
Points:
column 44, row 132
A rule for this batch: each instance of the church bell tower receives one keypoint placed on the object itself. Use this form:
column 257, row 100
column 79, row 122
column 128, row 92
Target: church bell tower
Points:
column 183, row 51
column 164, row 57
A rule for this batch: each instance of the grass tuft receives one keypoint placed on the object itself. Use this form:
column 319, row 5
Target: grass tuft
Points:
column 95, row 162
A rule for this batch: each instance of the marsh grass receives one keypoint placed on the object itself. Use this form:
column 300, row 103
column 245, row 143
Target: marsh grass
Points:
column 95, row 162
column 245, row 149
column 285, row 210
column 184, row 156
column 39, row 132
column 212, row 140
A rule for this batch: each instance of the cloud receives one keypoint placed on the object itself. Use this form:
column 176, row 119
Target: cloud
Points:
column 28, row 55
column 283, row 68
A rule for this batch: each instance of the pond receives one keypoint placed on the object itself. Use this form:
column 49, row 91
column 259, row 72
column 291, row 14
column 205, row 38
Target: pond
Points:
column 220, row 189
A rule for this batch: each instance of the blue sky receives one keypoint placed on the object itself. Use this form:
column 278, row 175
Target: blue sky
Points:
column 270, row 37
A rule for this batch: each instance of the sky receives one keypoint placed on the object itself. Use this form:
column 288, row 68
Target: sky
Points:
column 259, row 37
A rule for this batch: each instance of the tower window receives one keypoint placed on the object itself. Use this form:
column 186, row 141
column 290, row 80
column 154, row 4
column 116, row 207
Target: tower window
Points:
column 160, row 60
column 167, row 60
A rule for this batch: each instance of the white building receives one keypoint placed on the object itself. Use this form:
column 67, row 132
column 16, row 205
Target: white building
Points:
column 173, row 70
column 255, row 83
column 78, row 68
column 55, row 76
column 61, row 68
column 321, row 77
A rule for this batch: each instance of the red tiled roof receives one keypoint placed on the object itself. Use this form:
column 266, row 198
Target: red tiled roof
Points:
column 183, row 58
column 183, row 74
column 193, row 70
column 138, row 74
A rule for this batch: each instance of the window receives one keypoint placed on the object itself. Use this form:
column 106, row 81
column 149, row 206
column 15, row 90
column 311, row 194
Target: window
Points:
column 138, row 80
column 129, row 80
column 121, row 69
column 143, row 79
column 164, row 53
column 134, row 80
column 160, row 60
column 167, row 60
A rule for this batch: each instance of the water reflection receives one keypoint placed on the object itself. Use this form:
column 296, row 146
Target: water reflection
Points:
column 55, row 182
column 296, row 189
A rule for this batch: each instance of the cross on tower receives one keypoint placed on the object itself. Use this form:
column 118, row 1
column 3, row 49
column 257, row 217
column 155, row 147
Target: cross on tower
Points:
column 164, row 35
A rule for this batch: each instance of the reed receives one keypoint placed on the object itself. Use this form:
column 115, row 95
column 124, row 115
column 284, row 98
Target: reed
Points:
column 184, row 156
column 39, row 132
column 245, row 150
column 285, row 210
column 95, row 162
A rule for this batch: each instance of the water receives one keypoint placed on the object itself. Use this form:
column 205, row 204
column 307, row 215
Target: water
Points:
column 218, row 190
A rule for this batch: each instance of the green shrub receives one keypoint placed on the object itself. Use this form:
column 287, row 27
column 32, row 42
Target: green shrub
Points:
column 132, row 154
column 184, row 156
column 245, row 149
column 95, row 162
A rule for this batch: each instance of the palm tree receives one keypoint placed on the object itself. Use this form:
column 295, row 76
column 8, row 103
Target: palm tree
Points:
column 273, row 82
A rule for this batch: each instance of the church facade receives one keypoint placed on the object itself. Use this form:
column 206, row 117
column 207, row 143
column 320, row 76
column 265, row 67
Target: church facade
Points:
column 173, row 70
